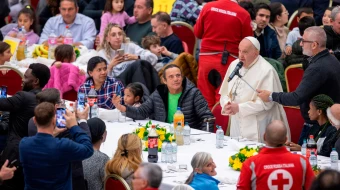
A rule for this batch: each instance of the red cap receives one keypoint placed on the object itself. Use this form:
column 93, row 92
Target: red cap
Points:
column 153, row 126
column 67, row 26
column 311, row 136
column 92, row 86
column 71, row 104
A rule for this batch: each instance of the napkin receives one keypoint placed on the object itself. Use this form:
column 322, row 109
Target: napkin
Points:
column 109, row 115
column 234, row 145
column 227, row 180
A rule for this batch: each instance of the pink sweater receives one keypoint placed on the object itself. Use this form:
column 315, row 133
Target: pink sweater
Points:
column 65, row 78
column 119, row 18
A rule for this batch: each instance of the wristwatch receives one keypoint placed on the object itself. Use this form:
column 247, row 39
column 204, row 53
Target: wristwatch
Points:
column 82, row 120
column 270, row 97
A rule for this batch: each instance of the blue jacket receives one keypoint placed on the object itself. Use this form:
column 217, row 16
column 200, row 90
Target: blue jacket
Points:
column 203, row 182
column 271, row 44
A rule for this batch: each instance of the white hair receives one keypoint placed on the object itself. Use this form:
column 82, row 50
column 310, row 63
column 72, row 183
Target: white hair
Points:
column 317, row 34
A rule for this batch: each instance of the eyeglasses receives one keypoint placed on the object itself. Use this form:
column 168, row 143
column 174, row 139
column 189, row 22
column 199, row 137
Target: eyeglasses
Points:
column 306, row 41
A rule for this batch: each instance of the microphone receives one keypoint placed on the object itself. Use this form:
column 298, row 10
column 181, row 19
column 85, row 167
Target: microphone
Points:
column 235, row 72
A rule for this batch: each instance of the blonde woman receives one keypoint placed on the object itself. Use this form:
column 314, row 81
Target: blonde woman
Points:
column 127, row 157
column 120, row 54
column 203, row 169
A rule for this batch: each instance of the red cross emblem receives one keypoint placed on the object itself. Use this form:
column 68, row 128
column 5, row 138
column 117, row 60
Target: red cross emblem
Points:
column 280, row 180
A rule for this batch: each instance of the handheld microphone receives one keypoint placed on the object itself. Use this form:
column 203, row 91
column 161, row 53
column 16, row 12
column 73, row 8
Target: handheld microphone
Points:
column 235, row 72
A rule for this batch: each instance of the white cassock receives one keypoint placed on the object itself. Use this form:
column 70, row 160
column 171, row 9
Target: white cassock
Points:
column 254, row 114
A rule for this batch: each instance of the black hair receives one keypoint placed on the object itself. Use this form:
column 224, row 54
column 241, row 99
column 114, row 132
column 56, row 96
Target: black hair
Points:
column 42, row 72
column 51, row 95
column 276, row 10
column 162, row 17
column 3, row 47
column 306, row 10
column 64, row 53
column 93, row 62
column 73, row 1
column 149, row 4
column 305, row 23
column 136, row 89
column 261, row 6
column 249, row 7
column 97, row 129
column 169, row 66
column 28, row 10
column 327, row 180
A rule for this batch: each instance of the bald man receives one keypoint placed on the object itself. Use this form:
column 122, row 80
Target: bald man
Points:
column 275, row 167
column 249, row 114
column 333, row 114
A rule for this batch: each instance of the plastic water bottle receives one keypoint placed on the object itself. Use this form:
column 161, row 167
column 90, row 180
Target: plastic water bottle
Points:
column 164, row 152
column 95, row 110
column 313, row 160
column 52, row 44
column 179, row 135
column 22, row 35
column 186, row 134
column 68, row 39
column 334, row 159
column 153, row 145
column 168, row 153
column 219, row 137
column 304, row 147
column 174, row 152
column 91, row 99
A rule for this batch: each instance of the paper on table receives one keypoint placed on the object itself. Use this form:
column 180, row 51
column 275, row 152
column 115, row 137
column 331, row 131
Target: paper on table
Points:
column 109, row 115
column 227, row 180
column 234, row 145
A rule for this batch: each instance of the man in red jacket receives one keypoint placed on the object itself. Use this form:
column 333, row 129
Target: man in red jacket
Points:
column 275, row 167
column 221, row 25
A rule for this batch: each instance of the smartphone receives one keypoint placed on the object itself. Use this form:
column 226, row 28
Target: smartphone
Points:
column 3, row 93
column 120, row 52
column 60, row 117
column 81, row 101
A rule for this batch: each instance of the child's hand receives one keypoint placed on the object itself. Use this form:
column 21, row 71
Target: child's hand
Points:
column 81, row 72
column 165, row 51
column 13, row 35
column 288, row 50
column 129, row 57
column 116, row 100
column 57, row 64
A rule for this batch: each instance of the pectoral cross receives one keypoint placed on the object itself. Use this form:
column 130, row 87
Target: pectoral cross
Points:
column 234, row 94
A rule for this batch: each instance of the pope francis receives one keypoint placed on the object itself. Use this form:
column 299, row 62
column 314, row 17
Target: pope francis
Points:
column 249, row 114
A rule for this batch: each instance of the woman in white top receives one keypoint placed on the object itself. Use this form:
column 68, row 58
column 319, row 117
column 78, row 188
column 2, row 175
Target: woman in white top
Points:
column 120, row 54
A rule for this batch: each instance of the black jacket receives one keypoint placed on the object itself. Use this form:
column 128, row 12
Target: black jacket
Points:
column 333, row 40
column 296, row 57
column 192, row 103
column 321, row 77
column 21, row 107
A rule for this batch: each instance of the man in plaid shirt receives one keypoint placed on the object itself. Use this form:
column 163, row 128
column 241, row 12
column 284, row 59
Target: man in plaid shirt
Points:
column 186, row 11
column 110, row 86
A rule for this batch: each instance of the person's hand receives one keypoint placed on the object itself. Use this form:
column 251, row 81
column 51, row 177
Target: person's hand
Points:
column 116, row 102
column 115, row 61
column 263, row 95
column 97, row 41
column 293, row 146
column 83, row 114
column 6, row 172
column 57, row 64
column 231, row 108
column 82, row 72
column 58, row 130
column 70, row 118
column 129, row 57
column 288, row 50
column 165, row 51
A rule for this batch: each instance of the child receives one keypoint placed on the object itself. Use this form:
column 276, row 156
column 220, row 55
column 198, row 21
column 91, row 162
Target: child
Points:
column 65, row 54
column 152, row 43
column 295, row 33
column 114, row 13
column 5, row 53
column 326, row 19
column 26, row 19
column 133, row 94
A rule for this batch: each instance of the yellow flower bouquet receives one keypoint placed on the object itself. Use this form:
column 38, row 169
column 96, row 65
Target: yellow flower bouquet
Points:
column 236, row 160
column 163, row 135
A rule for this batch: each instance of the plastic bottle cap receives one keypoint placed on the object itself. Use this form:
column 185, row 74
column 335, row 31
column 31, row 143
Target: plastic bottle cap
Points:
column 312, row 152
column 71, row 104
column 178, row 108
column 92, row 86
column 333, row 149
column 311, row 136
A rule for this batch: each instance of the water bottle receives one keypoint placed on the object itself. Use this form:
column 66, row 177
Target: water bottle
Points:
column 164, row 152
column 174, row 151
column 186, row 134
column 22, row 35
column 153, row 145
column 311, row 146
column 68, row 39
column 52, row 44
column 219, row 137
column 169, row 150
column 179, row 135
column 95, row 110
column 313, row 160
column 20, row 54
column 304, row 147
column 91, row 99
column 178, row 118
column 334, row 159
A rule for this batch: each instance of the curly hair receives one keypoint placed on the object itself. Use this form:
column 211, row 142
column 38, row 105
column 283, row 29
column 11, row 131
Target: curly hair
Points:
column 105, row 45
column 322, row 102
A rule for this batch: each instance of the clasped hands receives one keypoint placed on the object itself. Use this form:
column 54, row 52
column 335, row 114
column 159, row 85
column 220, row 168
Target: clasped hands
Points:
column 230, row 108
column 119, row 59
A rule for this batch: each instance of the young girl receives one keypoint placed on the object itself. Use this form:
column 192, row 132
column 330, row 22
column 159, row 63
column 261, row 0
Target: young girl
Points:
column 26, row 19
column 114, row 13
column 326, row 19
column 65, row 54
column 5, row 53
column 133, row 94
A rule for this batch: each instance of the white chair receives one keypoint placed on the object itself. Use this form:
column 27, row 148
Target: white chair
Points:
column 183, row 187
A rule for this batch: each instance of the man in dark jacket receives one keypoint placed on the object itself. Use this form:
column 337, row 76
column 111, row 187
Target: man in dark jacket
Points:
column 163, row 102
column 333, row 33
column 265, row 35
column 320, row 77
column 21, row 107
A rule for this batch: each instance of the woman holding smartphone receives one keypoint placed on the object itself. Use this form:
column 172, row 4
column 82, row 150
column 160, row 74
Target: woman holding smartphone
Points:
column 104, row 85
column 120, row 54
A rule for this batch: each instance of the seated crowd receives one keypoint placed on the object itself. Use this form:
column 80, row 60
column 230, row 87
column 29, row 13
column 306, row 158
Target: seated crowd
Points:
column 138, row 68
